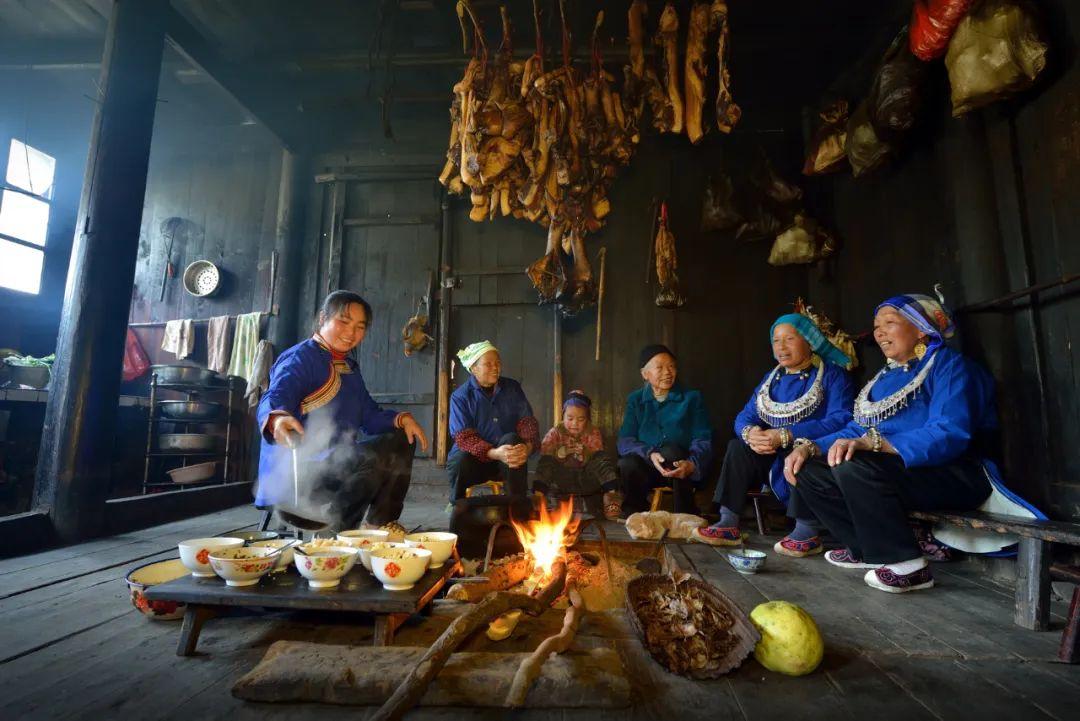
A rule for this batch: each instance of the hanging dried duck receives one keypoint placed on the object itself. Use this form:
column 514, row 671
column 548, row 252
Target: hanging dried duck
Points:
column 670, row 295
column 727, row 112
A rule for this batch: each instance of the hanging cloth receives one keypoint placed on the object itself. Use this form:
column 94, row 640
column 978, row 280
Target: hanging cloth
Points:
column 259, row 380
column 219, row 343
column 136, row 361
column 179, row 338
column 245, row 343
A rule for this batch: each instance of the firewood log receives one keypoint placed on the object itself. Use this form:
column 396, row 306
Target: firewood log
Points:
column 529, row 670
column 501, row 576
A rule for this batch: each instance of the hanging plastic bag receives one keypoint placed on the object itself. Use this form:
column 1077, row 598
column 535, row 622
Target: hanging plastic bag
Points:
column 933, row 23
column 718, row 209
column 826, row 153
column 865, row 150
column 804, row 242
column 996, row 52
column 896, row 95
column 136, row 361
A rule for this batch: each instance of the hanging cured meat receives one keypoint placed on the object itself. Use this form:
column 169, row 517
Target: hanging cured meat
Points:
column 727, row 112
column 642, row 84
column 669, row 295
column 548, row 274
column 695, row 69
column 667, row 37
column 580, row 290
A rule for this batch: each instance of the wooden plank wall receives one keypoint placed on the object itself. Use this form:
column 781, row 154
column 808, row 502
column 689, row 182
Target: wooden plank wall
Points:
column 985, row 204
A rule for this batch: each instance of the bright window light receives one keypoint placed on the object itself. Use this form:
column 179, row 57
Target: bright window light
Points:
column 30, row 169
column 24, row 217
column 20, row 267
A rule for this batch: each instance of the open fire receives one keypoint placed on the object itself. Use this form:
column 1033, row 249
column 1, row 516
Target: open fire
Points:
column 544, row 540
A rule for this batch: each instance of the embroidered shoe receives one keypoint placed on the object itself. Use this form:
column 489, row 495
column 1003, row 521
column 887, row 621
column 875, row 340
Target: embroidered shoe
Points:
column 843, row 558
column 891, row 582
column 788, row 546
column 718, row 536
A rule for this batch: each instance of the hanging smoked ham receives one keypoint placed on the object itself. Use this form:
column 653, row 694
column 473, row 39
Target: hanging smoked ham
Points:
column 695, row 69
column 669, row 295
column 667, row 37
column 727, row 112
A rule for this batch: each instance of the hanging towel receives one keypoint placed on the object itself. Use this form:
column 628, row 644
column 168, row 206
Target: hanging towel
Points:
column 179, row 338
column 245, row 342
column 218, row 343
column 259, row 380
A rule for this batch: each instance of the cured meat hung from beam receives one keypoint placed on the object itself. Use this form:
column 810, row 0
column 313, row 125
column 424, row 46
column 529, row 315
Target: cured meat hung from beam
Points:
column 695, row 69
column 548, row 274
column 580, row 290
column 641, row 83
column 727, row 112
column 669, row 295
column 667, row 37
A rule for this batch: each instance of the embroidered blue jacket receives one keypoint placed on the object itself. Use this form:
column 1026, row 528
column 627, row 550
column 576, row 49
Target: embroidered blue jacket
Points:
column 681, row 419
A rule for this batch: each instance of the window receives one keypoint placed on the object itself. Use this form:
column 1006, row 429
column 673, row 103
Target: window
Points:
column 25, row 195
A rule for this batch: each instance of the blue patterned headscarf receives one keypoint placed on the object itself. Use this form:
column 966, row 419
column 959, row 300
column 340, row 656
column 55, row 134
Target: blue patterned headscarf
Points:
column 817, row 340
column 925, row 313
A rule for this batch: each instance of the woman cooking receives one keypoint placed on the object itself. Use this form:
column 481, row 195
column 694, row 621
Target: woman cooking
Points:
column 808, row 394
column 317, row 400
column 907, row 448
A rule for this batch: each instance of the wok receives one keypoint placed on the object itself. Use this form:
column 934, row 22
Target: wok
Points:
column 185, row 375
column 190, row 442
column 190, row 410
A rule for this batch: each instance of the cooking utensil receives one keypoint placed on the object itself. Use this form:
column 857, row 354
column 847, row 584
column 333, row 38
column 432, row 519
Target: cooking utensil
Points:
column 168, row 231
column 193, row 442
column 652, row 563
column 190, row 410
column 193, row 474
column 185, row 375
column 202, row 278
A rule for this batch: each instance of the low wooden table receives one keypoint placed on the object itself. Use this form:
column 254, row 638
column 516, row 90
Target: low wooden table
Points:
column 359, row 591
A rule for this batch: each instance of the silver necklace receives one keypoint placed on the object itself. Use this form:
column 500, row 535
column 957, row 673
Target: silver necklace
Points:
column 780, row 415
column 870, row 413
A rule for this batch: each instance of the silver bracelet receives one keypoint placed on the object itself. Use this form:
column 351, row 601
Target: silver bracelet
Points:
column 745, row 433
column 808, row 445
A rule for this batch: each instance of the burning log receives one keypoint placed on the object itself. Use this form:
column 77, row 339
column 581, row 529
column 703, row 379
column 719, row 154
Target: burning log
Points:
column 503, row 574
column 415, row 684
column 530, row 668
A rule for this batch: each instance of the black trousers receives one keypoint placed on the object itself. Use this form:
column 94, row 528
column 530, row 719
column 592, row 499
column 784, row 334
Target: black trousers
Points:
column 745, row 471
column 464, row 470
column 370, row 477
column 600, row 473
column 639, row 476
column 865, row 501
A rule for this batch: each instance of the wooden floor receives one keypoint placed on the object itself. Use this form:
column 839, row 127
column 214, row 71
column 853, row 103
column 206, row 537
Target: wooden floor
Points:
column 72, row 647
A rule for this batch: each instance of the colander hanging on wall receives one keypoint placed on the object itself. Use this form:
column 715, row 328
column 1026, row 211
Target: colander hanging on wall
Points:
column 202, row 278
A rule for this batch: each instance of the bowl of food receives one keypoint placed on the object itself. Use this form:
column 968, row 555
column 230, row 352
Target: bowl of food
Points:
column 284, row 558
column 151, row 574
column 440, row 543
column 362, row 537
column 398, row 569
column 396, row 531
column 365, row 551
column 243, row 566
column 195, row 554
column 324, row 566
column 746, row 561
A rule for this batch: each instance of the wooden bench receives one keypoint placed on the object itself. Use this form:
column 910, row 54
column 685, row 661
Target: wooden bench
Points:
column 1033, row 568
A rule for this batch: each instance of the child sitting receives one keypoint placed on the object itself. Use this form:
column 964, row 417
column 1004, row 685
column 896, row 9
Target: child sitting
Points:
column 573, row 461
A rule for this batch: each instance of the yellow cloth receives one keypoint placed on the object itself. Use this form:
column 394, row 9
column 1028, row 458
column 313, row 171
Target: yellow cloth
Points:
column 471, row 353
column 245, row 343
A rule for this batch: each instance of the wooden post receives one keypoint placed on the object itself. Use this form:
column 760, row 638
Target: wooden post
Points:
column 556, row 361
column 337, row 236
column 442, row 420
column 1033, row 585
column 288, row 241
column 73, row 474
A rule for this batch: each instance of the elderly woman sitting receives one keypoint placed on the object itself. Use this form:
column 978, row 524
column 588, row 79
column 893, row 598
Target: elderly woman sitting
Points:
column 665, row 437
column 808, row 394
column 907, row 448
column 492, row 424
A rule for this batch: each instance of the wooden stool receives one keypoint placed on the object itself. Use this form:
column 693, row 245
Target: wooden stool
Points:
column 658, row 497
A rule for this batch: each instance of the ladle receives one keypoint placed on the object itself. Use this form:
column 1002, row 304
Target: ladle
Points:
column 652, row 563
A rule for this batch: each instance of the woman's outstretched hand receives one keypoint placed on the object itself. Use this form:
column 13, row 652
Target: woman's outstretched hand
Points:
column 287, row 430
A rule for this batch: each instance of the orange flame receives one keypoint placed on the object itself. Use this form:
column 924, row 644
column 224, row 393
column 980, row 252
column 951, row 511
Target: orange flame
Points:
column 545, row 539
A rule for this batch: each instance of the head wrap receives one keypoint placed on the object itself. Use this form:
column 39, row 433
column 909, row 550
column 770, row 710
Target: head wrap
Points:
column 579, row 399
column 471, row 353
column 651, row 351
column 925, row 313
column 815, row 338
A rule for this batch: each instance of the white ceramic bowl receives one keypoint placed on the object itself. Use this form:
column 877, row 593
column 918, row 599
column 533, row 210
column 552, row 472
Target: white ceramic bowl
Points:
column 195, row 553
column 365, row 551
column 324, row 566
column 151, row 574
column 362, row 537
column 398, row 569
column 440, row 543
column 284, row 558
column 746, row 561
column 243, row 566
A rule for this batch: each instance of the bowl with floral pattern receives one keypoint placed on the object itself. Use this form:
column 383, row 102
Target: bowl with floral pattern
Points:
column 284, row 558
column 365, row 551
column 440, row 543
column 324, row 566
column 746, row 561
column 243, row 566
column 362, row 537
column 398, row 569
column 150, row 574
column 195, row 553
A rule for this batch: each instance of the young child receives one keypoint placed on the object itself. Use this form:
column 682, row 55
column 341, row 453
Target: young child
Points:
column 573, row 461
